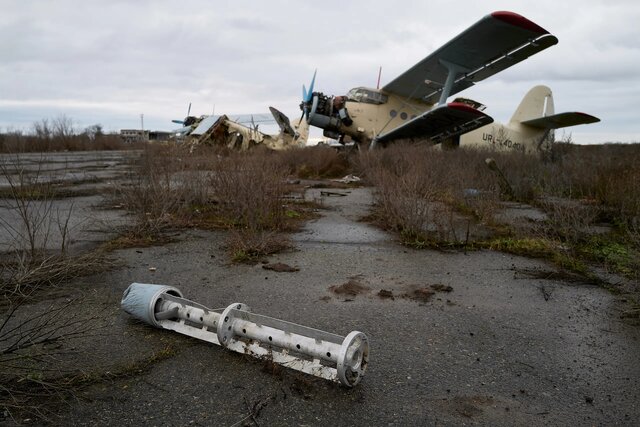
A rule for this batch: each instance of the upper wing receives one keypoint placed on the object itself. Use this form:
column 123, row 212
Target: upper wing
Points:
column 494, row 43
column 440, row 123
column 561, row 120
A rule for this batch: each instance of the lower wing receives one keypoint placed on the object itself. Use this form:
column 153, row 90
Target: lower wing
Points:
column 440, row 123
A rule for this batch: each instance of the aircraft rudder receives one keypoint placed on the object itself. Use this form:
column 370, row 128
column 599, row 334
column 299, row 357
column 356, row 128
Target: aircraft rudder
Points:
column 538, row 102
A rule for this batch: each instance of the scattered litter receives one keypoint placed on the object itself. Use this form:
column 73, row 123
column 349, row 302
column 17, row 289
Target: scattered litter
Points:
column 332, row 193
column 280, row 268
column 348, row 179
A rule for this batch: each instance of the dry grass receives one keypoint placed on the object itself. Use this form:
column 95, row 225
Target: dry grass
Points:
column 242, row 192
column 420, row 193
column 250, row 246
column 35, row 253
column 314, row 162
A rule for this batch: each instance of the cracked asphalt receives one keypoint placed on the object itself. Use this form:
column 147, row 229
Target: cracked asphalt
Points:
column 501, row 348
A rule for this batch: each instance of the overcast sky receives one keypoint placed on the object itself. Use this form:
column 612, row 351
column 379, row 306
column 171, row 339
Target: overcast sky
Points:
column 109, row 61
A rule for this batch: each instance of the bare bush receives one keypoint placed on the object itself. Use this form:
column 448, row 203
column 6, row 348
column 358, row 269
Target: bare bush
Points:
column 315, row 162
column 248, row 246
column 37, row 232
column 249, row 190
column 33, row 344
column 419, row 189
column 568, row 220
column 165, row 184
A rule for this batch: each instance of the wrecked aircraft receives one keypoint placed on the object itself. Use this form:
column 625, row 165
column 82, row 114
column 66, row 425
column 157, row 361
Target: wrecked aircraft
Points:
column 241, row 132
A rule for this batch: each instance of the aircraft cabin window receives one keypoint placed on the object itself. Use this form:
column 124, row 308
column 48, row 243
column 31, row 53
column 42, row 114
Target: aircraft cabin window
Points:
column 367, row 96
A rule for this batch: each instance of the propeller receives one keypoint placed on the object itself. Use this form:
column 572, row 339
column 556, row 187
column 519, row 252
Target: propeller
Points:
column 307, row 97
column 181, row 122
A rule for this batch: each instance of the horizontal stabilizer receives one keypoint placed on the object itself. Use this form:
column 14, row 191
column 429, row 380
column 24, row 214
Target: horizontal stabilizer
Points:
column 440, row 123
column 561, row 120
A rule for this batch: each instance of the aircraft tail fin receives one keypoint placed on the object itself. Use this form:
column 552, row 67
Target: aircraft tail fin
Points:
column 537, row 103
column 537, row 111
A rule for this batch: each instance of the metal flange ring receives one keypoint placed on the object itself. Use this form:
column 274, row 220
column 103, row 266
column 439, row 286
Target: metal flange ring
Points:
column 353, row 358
column 225, row 323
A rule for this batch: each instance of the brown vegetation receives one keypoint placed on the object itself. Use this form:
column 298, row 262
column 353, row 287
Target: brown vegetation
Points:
column 315, row 162
column 424, row 194
column 59, row 134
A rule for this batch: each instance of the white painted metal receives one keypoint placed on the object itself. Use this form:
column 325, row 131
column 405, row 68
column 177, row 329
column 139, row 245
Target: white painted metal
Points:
column 236, row 328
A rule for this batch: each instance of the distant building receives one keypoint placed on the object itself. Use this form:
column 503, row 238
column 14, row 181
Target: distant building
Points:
column 137, row 135
column 159, row 135
column 134, row 135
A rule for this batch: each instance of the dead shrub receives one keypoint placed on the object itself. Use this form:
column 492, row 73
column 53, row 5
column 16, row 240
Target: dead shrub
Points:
column 419, row 189
column 35, row 252
column 250, row 245
column 568, row 220
column 166, row 183
column 315, row 162
column 37, row 349
column 249, row 190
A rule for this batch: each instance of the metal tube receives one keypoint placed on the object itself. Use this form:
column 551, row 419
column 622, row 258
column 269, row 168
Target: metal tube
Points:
column 236, row 328
column 293, row 342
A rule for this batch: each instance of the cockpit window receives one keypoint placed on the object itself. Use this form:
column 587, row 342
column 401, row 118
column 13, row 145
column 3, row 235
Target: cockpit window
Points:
column 368, row 96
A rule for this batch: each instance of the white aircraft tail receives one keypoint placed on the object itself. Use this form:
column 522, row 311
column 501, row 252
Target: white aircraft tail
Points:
column 537, row 103
column 536, row 112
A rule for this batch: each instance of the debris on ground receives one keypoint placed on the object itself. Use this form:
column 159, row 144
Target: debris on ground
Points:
column 332, row 193
column 348, row 179
column 352, row 287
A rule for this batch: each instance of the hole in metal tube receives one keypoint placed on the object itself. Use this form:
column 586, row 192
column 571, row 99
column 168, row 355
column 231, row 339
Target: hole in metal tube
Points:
column 298, row 346
column 328, row 354
column 270, row 339
column 244, row 331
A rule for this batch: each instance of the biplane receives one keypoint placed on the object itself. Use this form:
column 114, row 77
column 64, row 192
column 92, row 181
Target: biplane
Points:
column 414, row 105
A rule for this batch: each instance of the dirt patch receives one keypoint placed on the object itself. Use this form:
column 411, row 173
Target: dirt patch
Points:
column 421, row 294
column 383, row 293
column 439, row 287
column 471, row 406
column 280, row 267
column 353, row 287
